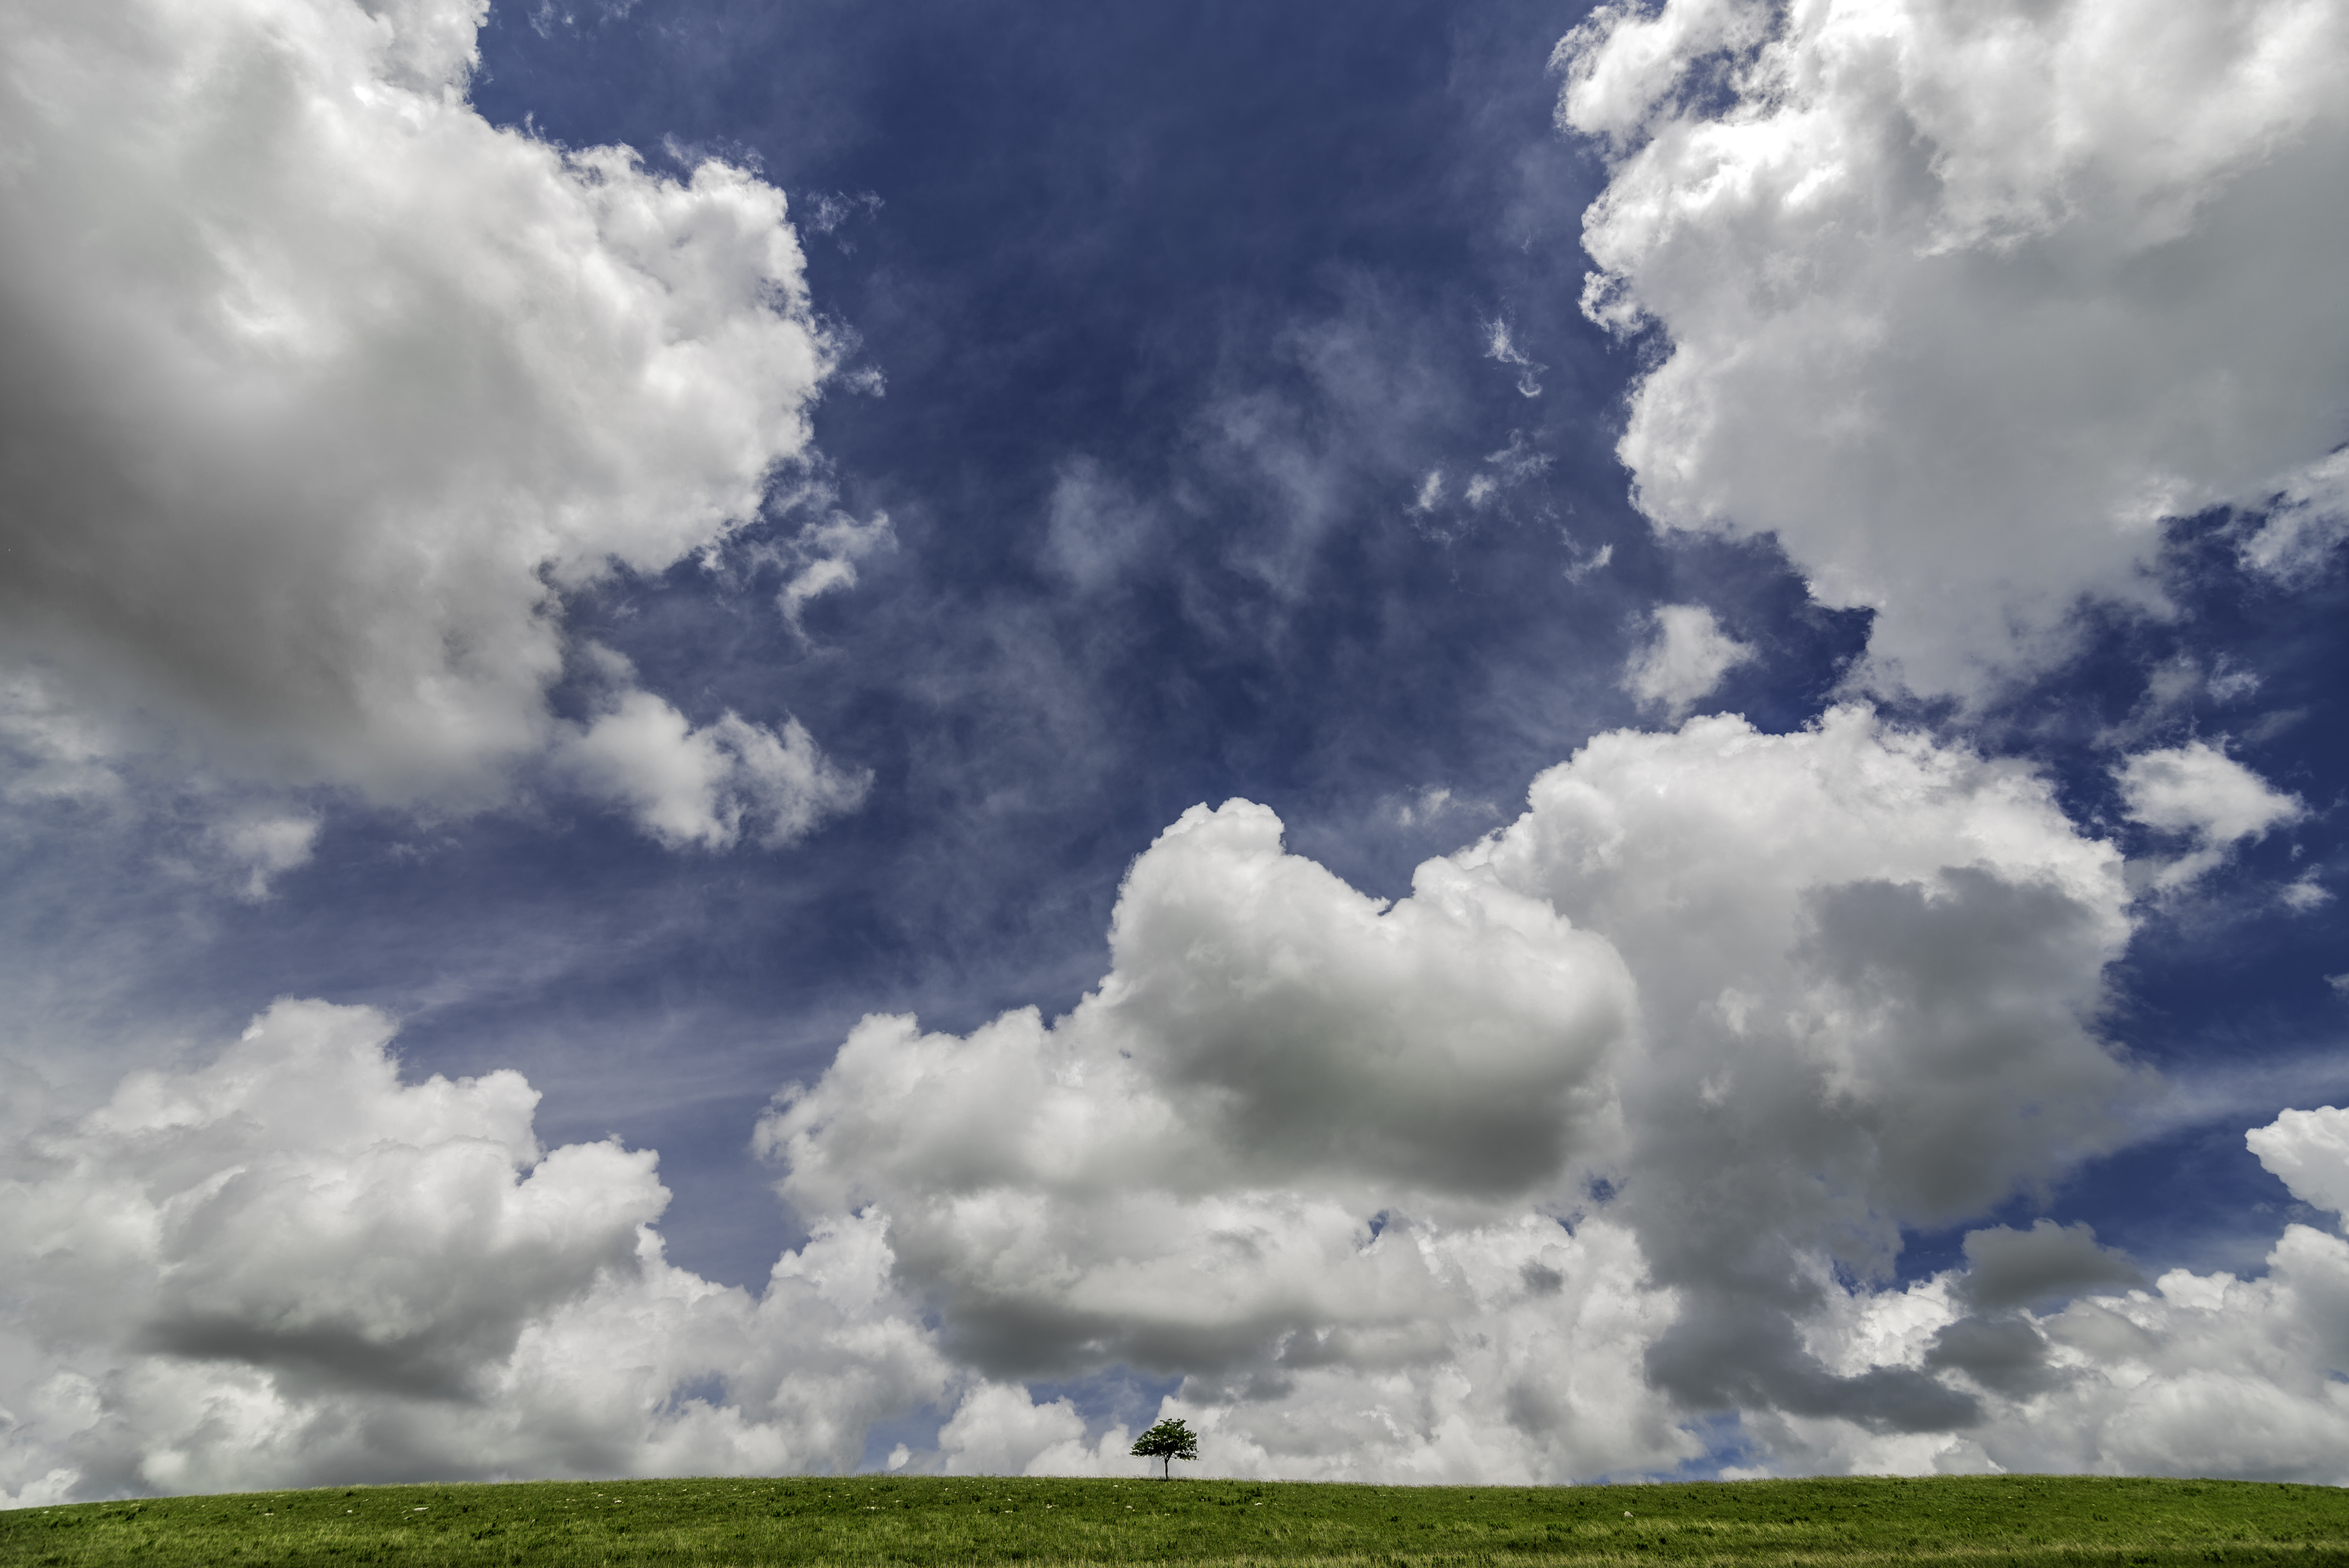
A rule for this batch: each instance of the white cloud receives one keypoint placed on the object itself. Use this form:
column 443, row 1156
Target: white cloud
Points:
column 1614, row 1125
column 1585, row 566
column 2201, row 1375
column 60, row 753
column 2298, row 536
column 1961, row 297
column 1868, row 971
column 824, row 555
column 2206, row 797
column 1274, row 1059
column 705, row 788
column 2197, row 790
column 1433, row 804
column 402, row 379
column 1499, row 345
column 263, row 846
column 2172, row 689
column 2208, row 1375
column 289, row 1267
column 2304, row 894
column 2308, row 1151
column 998, row 1430
column 1686, row 659
column 1789, row 994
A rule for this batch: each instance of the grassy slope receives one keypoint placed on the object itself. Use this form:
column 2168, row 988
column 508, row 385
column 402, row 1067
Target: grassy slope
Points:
column 881, row 1520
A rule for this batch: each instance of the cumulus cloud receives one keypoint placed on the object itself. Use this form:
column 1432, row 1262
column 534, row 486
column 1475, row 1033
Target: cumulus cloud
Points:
column 322, row 392
column 2202, row 1375
column 1613, row 1127
column 1961, row 299
column 2199, row 1374
column 705, row 788
column 1273, row 1060
column 1869, row 974
column 2198, row 794
column 290, row 1267
column 1684, row 661
column 2308, row 1151
column 1511, row 1177
column 998, row 1430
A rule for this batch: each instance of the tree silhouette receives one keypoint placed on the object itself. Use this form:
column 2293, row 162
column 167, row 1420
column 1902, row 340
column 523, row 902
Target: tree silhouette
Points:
column 1169, row 1440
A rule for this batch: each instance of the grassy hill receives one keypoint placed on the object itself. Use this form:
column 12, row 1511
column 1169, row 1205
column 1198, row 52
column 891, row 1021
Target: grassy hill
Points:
column 883, row 1520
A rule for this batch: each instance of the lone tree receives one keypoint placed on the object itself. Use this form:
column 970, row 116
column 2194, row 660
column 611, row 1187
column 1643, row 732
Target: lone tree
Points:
column 1169, row 1440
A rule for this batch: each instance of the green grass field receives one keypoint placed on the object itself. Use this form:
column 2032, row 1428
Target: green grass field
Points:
column 881, row 1520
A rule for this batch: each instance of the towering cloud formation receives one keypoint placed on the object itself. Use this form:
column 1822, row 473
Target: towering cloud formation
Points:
column 1962, row 298
column 320, row 391
column 1785, row 993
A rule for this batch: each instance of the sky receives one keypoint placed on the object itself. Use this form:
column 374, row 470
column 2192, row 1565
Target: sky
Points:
column 1499, row 743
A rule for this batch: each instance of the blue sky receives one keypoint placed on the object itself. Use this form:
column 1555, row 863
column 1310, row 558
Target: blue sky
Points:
column 484, row 608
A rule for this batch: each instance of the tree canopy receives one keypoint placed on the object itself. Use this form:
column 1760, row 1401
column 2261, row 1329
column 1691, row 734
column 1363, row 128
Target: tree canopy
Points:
column 1169, row 1440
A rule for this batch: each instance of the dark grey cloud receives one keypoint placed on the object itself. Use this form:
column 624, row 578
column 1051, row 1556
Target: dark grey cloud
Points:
column 2009, row 1268
column 2005, row 1355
